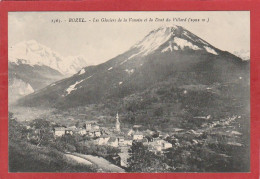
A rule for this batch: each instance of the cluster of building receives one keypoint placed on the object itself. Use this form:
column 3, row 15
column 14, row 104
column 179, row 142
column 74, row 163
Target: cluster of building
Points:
column 116, row 137
column 91, row 129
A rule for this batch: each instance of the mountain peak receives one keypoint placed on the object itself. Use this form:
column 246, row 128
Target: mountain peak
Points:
column 175, row 38
column 33, row 53
column 155, row 39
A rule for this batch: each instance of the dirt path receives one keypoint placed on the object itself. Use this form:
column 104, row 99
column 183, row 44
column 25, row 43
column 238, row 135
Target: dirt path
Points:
column 102, row 163
column 78, row 159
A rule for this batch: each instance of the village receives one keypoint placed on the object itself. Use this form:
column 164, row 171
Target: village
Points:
column 115, row 137
column 114, row 141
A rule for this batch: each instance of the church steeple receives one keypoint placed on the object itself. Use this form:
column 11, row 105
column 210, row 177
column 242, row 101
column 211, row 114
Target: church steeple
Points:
column 117, row 123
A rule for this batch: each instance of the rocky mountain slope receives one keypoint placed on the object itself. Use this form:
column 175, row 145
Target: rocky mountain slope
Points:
column 167, row 54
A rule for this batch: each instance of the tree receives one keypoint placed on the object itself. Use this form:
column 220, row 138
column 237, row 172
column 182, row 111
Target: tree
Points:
column 142, row 160
column 17, row 132
column 158, row 111
column 40, row 124
column 66, row 143
column 43, row 132
column 78, row 124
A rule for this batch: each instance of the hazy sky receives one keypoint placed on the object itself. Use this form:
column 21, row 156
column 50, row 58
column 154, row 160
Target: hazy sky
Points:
column 100, row 41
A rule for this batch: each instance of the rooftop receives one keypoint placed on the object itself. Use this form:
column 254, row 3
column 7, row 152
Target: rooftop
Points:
column 138, row 133
column 112, row 139
column 59, row 128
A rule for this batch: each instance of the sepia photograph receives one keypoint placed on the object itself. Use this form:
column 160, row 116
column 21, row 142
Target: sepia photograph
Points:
column 129, row 92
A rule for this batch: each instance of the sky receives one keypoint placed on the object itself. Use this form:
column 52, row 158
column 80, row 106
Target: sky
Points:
column 101, row 41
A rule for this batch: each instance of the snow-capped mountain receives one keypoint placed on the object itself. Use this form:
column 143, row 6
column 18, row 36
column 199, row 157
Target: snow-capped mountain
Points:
column 243, row 54
column 32, row 66
column 171, row 35
column 33, row 53
column 166, row 54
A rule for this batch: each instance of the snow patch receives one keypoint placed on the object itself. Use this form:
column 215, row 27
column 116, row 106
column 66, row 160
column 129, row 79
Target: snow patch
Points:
column 202, row 41
column 166, row 49
column 120, row 82
column 187, row 35
column 182, row 43
column 123, row 62
column 82, row 71
column 234, row 144
column 110, row 68
column 210, row 50
column 169, row 48
column 132, row 56
column 88, row 77
column 73, row 87
column 129, row 71
column 236, row 133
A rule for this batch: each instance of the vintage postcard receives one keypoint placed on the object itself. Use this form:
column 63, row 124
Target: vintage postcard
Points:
column 129, row 92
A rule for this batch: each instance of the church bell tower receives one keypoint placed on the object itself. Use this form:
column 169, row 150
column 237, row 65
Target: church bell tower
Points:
column 117, row 123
